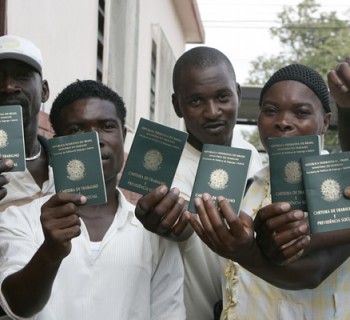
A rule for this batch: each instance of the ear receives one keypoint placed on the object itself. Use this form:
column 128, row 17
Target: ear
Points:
column 45, row 91
column 124, row 134
column 239, row 92
column 176, row 105
column 326, row 122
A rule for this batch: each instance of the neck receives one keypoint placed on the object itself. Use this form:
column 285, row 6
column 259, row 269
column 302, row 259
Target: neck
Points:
column 38, row 166
column 99, row 218
column 195, row 143
column 112, row 202
column 111, row 191
column 32, row 145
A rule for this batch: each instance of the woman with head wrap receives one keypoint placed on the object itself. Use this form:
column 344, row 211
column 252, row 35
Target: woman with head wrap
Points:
column 293, row 102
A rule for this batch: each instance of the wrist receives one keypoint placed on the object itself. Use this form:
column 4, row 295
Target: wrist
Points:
column 49, row 255
column 245, row 256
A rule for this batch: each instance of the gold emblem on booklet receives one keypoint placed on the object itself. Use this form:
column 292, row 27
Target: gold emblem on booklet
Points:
column 75, row 170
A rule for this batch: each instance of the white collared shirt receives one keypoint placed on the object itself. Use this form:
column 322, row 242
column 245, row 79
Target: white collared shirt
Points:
column 134, row 275
column 204, row 269
column 23, row 189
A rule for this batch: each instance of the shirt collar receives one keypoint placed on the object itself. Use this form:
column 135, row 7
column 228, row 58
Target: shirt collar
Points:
column 125, row 212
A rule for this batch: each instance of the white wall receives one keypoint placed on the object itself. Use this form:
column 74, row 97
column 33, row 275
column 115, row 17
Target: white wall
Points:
column 160, row 12
column 66, row 33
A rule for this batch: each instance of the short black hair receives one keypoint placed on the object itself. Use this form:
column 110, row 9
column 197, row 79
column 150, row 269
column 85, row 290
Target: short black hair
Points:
column 83, row 89
column 304, row 74
column 200, row 57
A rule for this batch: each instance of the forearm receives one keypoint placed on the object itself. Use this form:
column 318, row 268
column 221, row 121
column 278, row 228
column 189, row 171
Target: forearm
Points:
column 28, row 290
column 344, row 127
column 305, row 273
column 327, row 240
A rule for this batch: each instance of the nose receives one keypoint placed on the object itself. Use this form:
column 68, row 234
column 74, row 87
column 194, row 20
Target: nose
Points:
column 8, row 84
column 212, row 110
column 99, row 135
column 283, row 122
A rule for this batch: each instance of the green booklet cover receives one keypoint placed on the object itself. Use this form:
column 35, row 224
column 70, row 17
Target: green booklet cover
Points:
column 77, row 167
column 153, row 158
column 286, row 177
column 222, row 171
column 11, row 136
column 325, row 178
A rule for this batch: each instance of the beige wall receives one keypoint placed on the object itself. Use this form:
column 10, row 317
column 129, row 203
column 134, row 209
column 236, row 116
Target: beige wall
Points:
column 66, row 33
column 153, row 12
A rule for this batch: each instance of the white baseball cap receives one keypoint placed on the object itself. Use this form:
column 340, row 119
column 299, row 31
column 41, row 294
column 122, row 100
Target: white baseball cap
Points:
column 17, row 48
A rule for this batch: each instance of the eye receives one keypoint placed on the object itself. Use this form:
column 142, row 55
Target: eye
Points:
column 74, row 130
column 224, row 97
column 302, row 112
column 268, row 110
column 25, row 75
column 109, row 125
column 195, row 101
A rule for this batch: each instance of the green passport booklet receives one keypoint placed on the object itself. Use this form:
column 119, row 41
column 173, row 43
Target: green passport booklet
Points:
column 325, row 178
column 77, row 167
column 285, row 168
column 153, row 158
column 11, row 136
column 222, row 171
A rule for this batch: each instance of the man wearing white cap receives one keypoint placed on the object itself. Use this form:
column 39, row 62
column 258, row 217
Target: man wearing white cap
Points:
column 21, row 83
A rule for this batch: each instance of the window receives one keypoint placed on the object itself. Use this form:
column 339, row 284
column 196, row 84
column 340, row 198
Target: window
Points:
column 164, row 61
column 100, row 37
column 3, row 12
column 153, row 81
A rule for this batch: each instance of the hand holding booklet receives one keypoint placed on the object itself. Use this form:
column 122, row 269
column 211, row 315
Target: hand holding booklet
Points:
column 153, row 158
column 311, row 182
column 325, row 178
column 77, row 167
column 286, row 177
column 11, row 136
column 222, row 171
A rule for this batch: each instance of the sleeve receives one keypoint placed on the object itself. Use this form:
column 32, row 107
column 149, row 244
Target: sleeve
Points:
column 255, row 163
column 183, row 182
column 258, row 194
column 19, row 240
column 185, row 175
column 167, row 282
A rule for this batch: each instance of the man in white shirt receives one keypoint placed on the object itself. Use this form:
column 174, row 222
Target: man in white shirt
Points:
column 22, row 83
column 64, row 260
column 207, row 96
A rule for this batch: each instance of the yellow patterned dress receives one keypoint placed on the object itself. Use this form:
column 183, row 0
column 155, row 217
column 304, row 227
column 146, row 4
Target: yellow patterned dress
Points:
column 247, row 297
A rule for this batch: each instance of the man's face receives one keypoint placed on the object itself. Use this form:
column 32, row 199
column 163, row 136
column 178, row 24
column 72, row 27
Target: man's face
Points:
column 290, row 108
column 94, row 114
column 208, row 100
column 21, row 84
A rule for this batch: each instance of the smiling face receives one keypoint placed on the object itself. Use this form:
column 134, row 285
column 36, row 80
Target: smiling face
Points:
column 290, row 108
column 208, row 100
column 21, row 84
column 94, row 114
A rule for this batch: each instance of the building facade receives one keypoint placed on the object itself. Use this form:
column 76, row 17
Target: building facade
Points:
column 129, row 45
